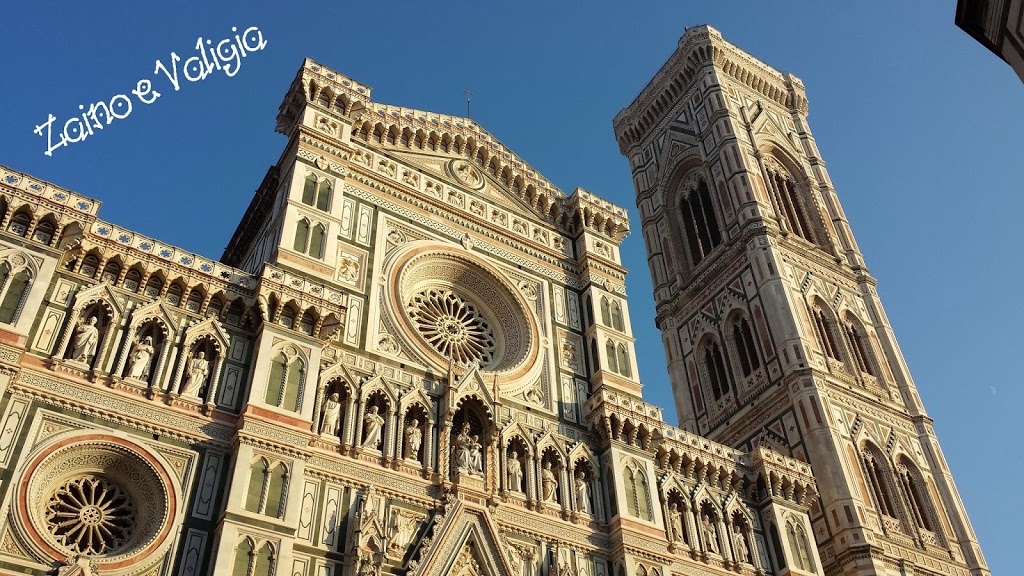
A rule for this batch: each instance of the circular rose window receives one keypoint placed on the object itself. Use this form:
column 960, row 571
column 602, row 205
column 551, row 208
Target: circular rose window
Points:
column 98, row 496
column 454, row 308
column 453, row 326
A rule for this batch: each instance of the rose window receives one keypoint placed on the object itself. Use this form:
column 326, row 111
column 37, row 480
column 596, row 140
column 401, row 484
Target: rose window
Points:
column 90, row 515
column 452, row 326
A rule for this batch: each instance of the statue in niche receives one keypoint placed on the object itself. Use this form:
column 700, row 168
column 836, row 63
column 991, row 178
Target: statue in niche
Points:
column 582, row 492
column 534, row 395
column 739, row 544
column 140, row 359
column 196, row 371
column 514, row 471
column 372, row 425
column 85, row 342
column 548, row 482
column 468, row 458
column 476, row 461
column 403, row 528
column 413, row 439
column 710, row 537
column 675, row 522
column 332, row 413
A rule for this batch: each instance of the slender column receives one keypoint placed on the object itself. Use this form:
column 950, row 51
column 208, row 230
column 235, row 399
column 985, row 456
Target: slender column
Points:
column 211, row 391
column 390, row 423
column 357, row 438
column 163, row 360
column 349, row 426
column 318, row 401
column 76, row 314
column 126, row 348
column 428, row 445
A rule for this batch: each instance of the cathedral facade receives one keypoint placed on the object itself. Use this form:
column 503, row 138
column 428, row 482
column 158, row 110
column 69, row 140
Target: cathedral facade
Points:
column 415, row 357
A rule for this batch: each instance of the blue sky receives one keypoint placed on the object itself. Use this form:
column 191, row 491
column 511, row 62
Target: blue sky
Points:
column 919, row 125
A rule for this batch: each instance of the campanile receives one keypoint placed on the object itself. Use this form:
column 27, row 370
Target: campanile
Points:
column 772, row 326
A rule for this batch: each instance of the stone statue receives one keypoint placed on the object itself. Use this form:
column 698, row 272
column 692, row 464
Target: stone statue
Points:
column 332, row 413
column 582, row 492
column 710, row 537
column 413, row 439
column 372, row 425
column 85, row 342
column 476, row 462
column 403, row 527
column 195, row 375
column 140, row 359
column 548, row 483
column 463, row 458
column 514, row 471
column 675, row 522
column 739, row 544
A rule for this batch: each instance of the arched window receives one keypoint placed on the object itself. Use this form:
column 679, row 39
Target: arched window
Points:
column 912, row 485
column 323, row 196
column 301, row 236
column 638, row 494
column 317, row 240
column 595, row 358
column 44, row 232
column 153, row 286
column 623, row 361
column 714, row 363
column 609, row 351
column 20, row 222
column 174, row 294
column 89, row 265
column 244, row 555
column 877, row 474
column 825, row 334
column 277, row 492
column 605, row 312
column 743, row 340
column 285, row 383
column 259, row 475
column 799, row 547
column 309, row 190
column 268, row 488
column 617, row 316
column 131, row 280
column 111, row 272
column 855, row 340
column 264, row 560
column 699, row 222
column 13, row 292
column 787, row 199
column 195, row 301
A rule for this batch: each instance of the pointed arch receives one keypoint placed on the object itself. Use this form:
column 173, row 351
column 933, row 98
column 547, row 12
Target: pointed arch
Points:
column 605, row 311
column 318, row 241
column 309, row 186
column 610, row 353
column 301, row 235
column 714, row 368
column 879, row 479
column 638, row 491
column 858, row 344
column 741, row 332
column 617, row 322
column 17, row 273
column 622, row 359
column 912, row 485
column 824, row 324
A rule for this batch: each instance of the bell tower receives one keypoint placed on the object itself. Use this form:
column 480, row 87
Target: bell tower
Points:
column 772, row 326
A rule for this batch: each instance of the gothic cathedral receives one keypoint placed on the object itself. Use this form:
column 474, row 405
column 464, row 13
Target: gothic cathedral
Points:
column 415, row 357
